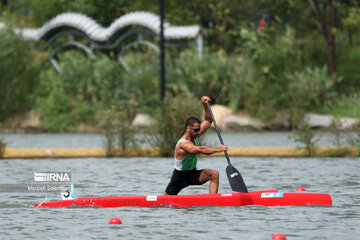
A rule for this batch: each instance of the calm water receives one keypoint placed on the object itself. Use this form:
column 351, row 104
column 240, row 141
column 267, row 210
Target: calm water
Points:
column 244, row 139
column 138, row 176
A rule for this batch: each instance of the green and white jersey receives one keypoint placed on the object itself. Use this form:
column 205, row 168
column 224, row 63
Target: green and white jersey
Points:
column 189, row 161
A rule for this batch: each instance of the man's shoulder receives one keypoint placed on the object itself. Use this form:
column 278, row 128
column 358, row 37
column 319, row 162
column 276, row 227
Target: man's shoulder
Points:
column 183, row 141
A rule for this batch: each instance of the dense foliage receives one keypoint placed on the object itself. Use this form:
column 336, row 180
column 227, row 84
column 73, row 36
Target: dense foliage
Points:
column 170, row 121
column 18, row 74
column 260, row 57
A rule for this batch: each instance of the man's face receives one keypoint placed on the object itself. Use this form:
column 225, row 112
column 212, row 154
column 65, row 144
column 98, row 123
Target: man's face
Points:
column 194, row 130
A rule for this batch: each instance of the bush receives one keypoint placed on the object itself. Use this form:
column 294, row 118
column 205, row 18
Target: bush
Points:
column 170, row 119
column 310, row 88
column 335, row 130
column 345, row 106
column 116, row 124
column 216, row 74
column 19, row 74
column 141, row 85
column 266, row 61
column 2, row 147
column 56, row 109
column 303, row 134
column 75, row 95
column 348, row 68
column 354, row 139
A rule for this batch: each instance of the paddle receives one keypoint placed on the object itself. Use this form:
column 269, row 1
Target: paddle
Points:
column 236, row 182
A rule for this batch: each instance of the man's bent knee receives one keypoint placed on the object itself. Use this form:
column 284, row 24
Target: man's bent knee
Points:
column 209, row 174
column 214, row 175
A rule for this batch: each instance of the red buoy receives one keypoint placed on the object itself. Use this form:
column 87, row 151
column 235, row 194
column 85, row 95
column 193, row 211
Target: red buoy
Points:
column 279, row 236
column 115, row 221
column 300, row 189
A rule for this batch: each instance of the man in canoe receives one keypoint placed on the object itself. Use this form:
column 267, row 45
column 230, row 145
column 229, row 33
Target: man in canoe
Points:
column 186, row 154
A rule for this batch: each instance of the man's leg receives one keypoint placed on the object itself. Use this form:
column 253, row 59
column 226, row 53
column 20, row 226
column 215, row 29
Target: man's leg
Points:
column 176, row 184
column 213, row 176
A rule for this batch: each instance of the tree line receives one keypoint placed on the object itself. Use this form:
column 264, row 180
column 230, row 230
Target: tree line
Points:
column 260, row 56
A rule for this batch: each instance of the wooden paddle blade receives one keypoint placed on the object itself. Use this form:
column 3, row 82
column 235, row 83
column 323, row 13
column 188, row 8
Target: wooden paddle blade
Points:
column 236, row 182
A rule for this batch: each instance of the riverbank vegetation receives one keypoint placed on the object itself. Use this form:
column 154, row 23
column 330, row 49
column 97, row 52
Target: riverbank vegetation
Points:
column 19, row 71
column 2, row 147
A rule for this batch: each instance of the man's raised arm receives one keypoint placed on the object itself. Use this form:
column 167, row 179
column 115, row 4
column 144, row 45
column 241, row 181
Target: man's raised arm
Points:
column 207, row 117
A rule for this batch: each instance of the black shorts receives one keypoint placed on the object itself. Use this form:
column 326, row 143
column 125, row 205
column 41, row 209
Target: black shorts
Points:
column 182, row 179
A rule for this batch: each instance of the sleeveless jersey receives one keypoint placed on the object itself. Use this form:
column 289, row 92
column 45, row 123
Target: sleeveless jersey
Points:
column 189, row 161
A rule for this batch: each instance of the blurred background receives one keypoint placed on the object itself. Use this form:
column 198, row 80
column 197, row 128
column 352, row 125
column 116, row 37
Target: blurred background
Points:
column 270, row 61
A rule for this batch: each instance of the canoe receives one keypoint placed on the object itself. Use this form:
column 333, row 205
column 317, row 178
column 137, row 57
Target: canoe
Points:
column 266, row 198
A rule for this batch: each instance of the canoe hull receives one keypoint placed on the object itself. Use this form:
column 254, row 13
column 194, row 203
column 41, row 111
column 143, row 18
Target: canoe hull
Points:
column 266, row 198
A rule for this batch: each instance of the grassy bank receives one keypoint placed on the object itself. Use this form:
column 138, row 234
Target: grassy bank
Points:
column 345, row 106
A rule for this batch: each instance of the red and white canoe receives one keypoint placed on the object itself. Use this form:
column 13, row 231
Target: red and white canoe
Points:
column 265, row 198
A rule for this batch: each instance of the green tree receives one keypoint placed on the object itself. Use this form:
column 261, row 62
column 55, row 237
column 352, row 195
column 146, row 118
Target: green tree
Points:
column 327, row 25
column 104, row 12
column 266, row 63
column 83, row 87
column 19, row 74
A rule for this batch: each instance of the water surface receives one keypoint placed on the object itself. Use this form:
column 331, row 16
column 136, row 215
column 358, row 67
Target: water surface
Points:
column 139, row 176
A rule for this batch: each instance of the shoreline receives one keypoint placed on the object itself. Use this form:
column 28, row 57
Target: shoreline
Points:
column 333, row 151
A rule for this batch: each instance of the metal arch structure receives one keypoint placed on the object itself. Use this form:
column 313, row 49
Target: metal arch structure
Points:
column 70, row 43
column 139, row 41
column 99, row 38
column 89, row 50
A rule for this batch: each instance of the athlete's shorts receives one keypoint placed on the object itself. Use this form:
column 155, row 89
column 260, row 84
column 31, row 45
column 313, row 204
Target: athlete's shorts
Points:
column 182, row 179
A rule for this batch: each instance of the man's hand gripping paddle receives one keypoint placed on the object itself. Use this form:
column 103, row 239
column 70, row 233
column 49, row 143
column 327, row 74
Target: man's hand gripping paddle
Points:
column 236, row 182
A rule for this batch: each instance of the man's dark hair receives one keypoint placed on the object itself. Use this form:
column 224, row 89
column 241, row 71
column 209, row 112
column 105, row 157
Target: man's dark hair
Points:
column 190, row 121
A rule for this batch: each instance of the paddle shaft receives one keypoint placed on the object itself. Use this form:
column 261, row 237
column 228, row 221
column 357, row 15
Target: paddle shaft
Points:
column 218, row 132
